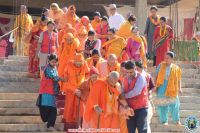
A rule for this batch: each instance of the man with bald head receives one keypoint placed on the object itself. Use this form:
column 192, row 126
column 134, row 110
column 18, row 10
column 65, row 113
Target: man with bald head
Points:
column 24, row 24
column 108, row 66
column 103, row 103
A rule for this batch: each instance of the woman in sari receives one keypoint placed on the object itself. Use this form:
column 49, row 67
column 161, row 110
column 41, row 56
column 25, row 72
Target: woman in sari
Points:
column 136, row 47
column 69, row 17
column 56, row 13
column 33, row 60
column 168, row 84
column 102, row 30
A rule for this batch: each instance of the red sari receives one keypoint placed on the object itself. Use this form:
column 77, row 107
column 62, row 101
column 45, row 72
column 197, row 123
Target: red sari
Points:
column 161, row 51
column 33, row 67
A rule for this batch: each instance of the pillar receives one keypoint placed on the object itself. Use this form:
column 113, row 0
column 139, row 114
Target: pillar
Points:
column 141, row 13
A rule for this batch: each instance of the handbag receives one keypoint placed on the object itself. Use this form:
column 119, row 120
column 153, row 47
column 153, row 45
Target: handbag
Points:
column 163, row 101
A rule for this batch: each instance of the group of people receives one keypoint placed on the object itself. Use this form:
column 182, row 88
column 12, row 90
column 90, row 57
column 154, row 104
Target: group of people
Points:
column 101, row 68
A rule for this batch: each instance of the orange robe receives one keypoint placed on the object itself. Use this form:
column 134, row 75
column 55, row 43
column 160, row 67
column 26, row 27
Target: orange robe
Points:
column 67, row 52
column 82, row 37
column 87, row 27
column 76, row 76
column 100, row 95
column 67, row 18
column 57, row 17
column 25, row 22
column 104, row 69
column 115, row 46
column 95, row 23
column 91, row 63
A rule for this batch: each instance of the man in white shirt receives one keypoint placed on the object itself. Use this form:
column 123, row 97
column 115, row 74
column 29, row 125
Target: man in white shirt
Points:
column 116, row 19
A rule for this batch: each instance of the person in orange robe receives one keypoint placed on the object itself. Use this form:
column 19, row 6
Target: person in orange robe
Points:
column 69, row 17
column 115, row 45
column 62, row 32
column 83, row 91
column 85, row 21
column 108, row 66
column 70, row 48
column 56, row 13
column 96, row 21
column 82, row 35
column 75, row 73
column 95, row 59
column 102, row 107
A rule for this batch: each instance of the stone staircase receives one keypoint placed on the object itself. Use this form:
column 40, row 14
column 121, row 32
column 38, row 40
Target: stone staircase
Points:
column 18, row 94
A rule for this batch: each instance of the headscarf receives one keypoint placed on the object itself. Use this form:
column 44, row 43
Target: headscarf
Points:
column 79, row 58
column 73, row 20
column 93, row 70
column 82, row 31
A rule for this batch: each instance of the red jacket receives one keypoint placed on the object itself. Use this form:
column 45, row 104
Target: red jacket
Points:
column 46, row 86
column 137, row 102
column 49, row 43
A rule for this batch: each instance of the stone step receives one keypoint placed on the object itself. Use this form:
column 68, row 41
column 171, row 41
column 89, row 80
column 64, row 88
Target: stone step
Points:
column 21, row 111
column 17, row 79
column 13, row 68
column 23, row 103
column 170, row 128
column 19, row 90
column 28, row 127
column 13, row 74
column 14, row 57
column 15, row 62
column 190, row 99
column 24, row 119
column 20, row 84
column 191, row 80
column 191, row 90
column 186, row 105
column 155, row 120
column 18, row 96
column 191, row 85
column 186, row 113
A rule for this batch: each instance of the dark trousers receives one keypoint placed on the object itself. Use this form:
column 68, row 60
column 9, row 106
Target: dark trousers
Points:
column 139, row 121
column 48, row 114
column 154, row 61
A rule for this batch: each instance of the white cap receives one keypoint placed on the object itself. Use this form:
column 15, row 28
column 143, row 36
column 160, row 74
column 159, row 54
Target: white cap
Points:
column 112, row 6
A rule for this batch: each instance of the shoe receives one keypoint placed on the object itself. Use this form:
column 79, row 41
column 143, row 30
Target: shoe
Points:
column 51, row 129
column 165, row 123
column 178, row 123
